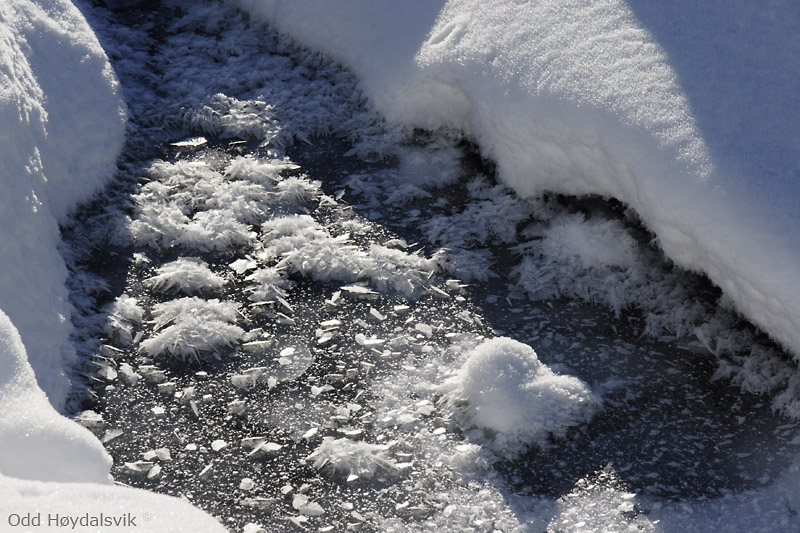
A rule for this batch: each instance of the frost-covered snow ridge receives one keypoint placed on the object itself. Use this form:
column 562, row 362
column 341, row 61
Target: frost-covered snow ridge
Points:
column 696, row 130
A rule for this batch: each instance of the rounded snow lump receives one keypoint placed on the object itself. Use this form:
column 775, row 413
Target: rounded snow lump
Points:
column 504, row 388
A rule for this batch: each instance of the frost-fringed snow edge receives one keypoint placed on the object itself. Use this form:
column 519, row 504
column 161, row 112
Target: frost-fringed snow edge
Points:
column 598, row 260
column 602, row 258
column 584, row 100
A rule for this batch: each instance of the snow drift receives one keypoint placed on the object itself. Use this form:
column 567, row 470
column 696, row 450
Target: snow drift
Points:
column 63, row 125
column 695, row 130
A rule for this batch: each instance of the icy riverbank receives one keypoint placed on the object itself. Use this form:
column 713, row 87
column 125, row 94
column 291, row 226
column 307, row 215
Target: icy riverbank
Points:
column 63, row 126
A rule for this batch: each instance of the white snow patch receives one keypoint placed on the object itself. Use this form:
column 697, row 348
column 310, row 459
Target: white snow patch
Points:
column 504, row 388
column 48, row 462
column 63, row 126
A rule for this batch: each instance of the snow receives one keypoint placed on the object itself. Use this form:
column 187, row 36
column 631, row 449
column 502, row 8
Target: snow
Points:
column 135, row 509
column 611, row 107
column 36, row 442
column 602, row 244
column 504, row 388
column 696, row 130
column 50, row 465
column 257, row 170
column 493, row 217
column 62, row 128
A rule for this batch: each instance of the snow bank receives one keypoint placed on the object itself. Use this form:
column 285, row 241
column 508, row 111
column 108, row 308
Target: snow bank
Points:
column 51, row 466
column 82, row 507
column 62, row 129
column 695, row 130
column 35, row 441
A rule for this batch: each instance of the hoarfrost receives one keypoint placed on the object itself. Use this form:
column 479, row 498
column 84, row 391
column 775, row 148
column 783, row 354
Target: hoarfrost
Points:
column 123, row 314
column 189, row 275
column 268, row 284
column 347, row 457
column 191, row 326
column 305, row 247
column 263, row 172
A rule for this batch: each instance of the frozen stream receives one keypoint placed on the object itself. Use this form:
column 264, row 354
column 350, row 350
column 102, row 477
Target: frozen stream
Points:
column 269, row 314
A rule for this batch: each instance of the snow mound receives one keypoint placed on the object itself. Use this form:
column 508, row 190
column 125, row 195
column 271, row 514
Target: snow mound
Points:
column 135, row 510
column 63, row 126
column 504, row 389
column 694, row 130
column 35, row 441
